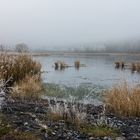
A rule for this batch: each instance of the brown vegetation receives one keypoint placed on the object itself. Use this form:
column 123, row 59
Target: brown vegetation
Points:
column 77, row 64
column 135, row 66
column 123, row 100
column 60, row 65
column 28, row 88
column 119, row 64
column 17, row 67
column 22, row 74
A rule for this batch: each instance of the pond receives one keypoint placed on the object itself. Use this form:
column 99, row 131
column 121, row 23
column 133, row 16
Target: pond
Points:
column 99, row 73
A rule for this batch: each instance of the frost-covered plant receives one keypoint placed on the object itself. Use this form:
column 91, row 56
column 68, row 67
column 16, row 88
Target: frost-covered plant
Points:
column 17, row 67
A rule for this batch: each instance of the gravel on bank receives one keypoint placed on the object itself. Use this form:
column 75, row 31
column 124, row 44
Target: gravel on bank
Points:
column 33, row 116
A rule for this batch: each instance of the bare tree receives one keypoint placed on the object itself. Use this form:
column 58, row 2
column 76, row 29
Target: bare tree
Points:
column 21, row 48
column 2, row 48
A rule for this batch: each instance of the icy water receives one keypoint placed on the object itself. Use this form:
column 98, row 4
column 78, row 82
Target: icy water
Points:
column 98, row 74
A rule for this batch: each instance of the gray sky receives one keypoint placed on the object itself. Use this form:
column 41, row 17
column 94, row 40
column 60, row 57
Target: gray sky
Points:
column 64, row 22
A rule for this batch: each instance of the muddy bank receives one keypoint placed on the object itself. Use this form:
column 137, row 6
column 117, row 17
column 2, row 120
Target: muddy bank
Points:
column 58, row 120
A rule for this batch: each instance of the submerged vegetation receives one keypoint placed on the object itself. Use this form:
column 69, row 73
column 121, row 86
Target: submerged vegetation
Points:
column 60, row 65
column 134, row 66
column 119, row 64
column 76, row 93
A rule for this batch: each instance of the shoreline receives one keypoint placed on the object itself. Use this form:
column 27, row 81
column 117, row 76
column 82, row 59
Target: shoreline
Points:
column 35, row 117
column 48, row 53
column 83, row 53
column 24, row 112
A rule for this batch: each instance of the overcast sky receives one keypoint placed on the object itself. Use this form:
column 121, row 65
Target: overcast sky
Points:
column 64, row 22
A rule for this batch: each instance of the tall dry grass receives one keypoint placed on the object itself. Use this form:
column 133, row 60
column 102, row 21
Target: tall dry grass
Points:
column 16, row 67
column 123, row 100
column 28, row 88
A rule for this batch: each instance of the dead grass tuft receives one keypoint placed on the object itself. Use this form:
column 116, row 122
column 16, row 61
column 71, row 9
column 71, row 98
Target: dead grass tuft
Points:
column 17, row 67
column 123, row 100
column 28, row 88
column 77, row 64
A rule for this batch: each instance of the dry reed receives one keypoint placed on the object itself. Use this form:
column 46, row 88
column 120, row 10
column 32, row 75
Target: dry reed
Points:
column 135, row 66
column 60, row 65
column 17, row 67
column 119, row 64
column 123, row 100
column 77, row 64
column 28, row 88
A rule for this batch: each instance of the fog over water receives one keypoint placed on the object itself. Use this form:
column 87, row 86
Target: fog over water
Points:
column 62, row 23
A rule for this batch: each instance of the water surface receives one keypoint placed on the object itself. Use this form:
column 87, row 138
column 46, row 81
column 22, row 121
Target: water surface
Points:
column 99, row 72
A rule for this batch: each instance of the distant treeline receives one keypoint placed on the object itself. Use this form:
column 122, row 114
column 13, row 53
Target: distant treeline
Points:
column 21, row 47
column 118, row 47
column 129, row 47
column 125, row 47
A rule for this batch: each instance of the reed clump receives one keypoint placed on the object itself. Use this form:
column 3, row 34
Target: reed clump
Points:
column 28, row 88
column 60, row 65
column 119, row 64
column 123, row 100
column 77, row 64
column 133, row 67
column 17, row 67
column 56, row 65
column 138, row 66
